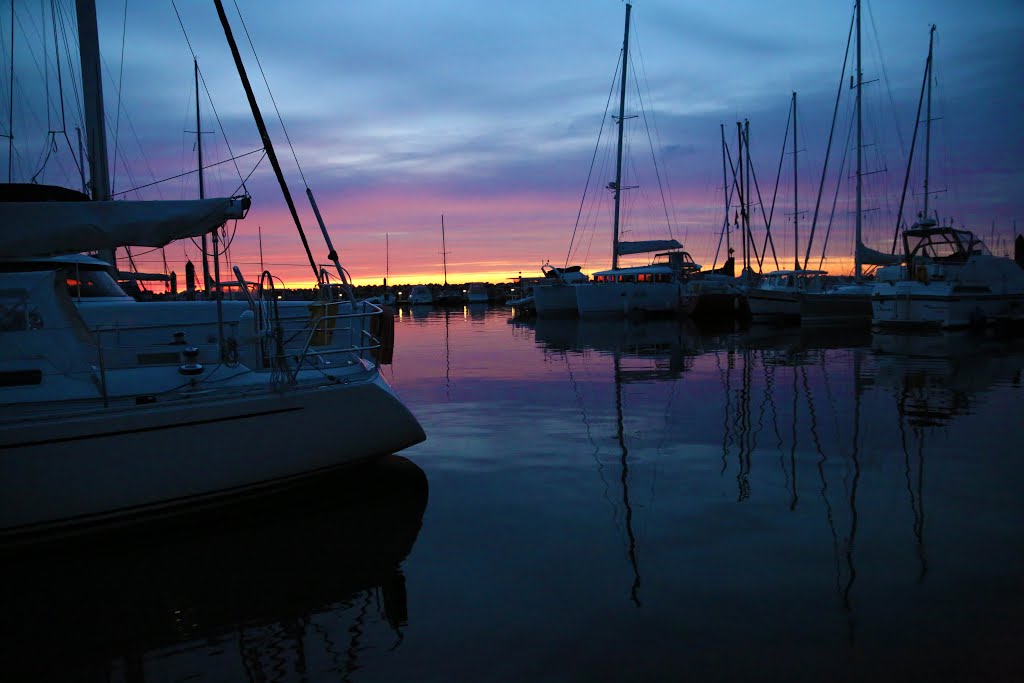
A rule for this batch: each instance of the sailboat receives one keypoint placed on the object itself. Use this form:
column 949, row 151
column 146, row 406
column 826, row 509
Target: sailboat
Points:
column 659, row 287
column 778, row 296
column 449, row 296
column 113, row 410
column 948, row 277
column 850, row 302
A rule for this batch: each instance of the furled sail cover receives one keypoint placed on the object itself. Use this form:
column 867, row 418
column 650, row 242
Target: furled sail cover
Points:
column 870, row 257
column 55, row 228
column 642, row 247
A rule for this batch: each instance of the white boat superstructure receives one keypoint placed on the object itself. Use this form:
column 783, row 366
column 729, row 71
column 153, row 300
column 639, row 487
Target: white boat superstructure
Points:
column 421, row 295
column 658, row 288
column 476, row 293
column 950, row 280
column 104, row 422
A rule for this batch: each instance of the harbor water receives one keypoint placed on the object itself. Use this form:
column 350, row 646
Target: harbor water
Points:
column 595, row 501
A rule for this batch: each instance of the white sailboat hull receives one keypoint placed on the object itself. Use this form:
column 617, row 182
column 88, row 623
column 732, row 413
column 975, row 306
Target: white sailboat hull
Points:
column 78, row 469
column 627, row 298
column 766, row 304
column 555, row 300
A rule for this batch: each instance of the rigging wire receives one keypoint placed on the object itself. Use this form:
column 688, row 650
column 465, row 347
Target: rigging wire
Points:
column 885, row 77
column 210, row 97
column 185, row 173
column 828, row 148
column 835, row 197
column 270, row 92
column 120, row 90
column 657, row 173
column 643, row 110
column 593, row 158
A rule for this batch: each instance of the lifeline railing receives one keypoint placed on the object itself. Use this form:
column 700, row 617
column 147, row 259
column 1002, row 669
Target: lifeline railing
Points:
column 281, row 329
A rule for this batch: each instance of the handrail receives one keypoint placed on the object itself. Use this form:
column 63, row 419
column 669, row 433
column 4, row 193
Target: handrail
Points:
column 301, row 357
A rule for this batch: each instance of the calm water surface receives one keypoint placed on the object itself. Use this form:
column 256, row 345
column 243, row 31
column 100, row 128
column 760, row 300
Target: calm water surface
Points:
column 595, row 501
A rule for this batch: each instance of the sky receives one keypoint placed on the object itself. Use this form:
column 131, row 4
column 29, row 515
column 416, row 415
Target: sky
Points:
column 494, row 115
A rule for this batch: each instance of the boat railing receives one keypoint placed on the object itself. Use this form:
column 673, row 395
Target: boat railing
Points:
column 322, row 329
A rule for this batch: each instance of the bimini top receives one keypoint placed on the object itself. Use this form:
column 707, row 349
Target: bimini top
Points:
column 941, row 243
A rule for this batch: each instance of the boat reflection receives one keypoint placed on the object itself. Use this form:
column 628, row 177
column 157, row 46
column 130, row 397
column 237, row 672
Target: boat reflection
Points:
column 936, row 376
column 670, row 345
column 261, row 587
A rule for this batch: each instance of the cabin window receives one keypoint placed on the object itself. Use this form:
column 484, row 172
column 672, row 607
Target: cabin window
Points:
column 16, row 314
column 627, row 278
column 91, row 283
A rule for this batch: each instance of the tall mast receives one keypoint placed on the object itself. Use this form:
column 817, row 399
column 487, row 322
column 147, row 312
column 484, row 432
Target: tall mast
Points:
column 725, row 194
column 928, row 123
column 752, row 249
column 796, row 203
column 857, row 241
column 202, row 188
column 743, row 205
column 618, row 158
column 444, row 254
column 95, row 123
column 387, row 258
column 10, row 110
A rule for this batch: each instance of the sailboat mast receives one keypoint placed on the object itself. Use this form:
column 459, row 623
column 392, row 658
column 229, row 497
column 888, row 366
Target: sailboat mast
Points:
column 928, row 122
column 95, row 123
column 202, row 188
column 796, row 203
column 751, row 249
column 725, row 194
column 860, row 130
column 618, row 156
column 10, row 110
column 444, row 254
column 743, row 205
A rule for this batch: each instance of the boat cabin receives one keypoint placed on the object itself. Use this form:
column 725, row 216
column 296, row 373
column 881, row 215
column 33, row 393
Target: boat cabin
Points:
column 942, row 245
column 794, row 279
column 86, row 277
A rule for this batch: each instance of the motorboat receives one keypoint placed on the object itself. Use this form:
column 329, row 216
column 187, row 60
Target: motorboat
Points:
column 477, row 293
column 420, row 295
column 949, row 279
column 555, row 294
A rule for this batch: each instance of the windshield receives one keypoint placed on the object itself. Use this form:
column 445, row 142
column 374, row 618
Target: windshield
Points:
column 948, row 244
column 91, row 283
